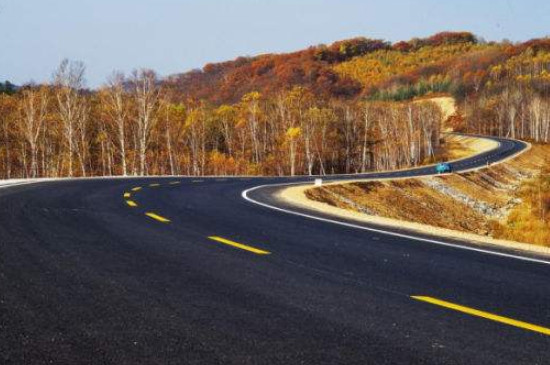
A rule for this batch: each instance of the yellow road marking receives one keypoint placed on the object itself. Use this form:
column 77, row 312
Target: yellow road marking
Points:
column 239, row 245
column 486, row 315
column 154, row 185
column 137, row 188
column 131, row 203
column 174, row 182
column 157, row 217
column 127, row 195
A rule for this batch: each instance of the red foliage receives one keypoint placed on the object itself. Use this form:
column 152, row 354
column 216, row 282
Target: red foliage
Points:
column 312, row 68
column 402, row 46
column 539, row 44
column 344, row 50
column 451, row 38
column 228, row 81
column 435, row 40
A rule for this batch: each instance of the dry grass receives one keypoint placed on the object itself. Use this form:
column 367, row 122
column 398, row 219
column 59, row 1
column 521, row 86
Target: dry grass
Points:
column 410, row 200
column 477, row 186
column 530, row 220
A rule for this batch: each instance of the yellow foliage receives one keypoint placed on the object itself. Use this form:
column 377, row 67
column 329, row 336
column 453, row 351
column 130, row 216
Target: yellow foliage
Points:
column 379, row 66
column 225, row 111
column 193, row 117
column 251, row 96
column 293, row 132
column 527, row 67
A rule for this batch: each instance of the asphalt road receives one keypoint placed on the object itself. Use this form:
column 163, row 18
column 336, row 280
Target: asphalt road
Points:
column 86, row 277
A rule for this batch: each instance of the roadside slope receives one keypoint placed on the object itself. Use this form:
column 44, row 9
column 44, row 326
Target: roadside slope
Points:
column 485, row 206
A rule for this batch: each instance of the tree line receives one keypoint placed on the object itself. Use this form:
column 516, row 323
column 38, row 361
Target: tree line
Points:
column 134, row 125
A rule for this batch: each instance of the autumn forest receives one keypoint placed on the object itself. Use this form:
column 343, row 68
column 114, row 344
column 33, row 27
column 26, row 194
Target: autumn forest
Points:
column 352, row 106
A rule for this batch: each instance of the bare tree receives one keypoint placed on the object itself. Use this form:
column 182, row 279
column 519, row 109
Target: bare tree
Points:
column 8, row 111
column 82, row 142
column 33, row 108
column 366, row 126
column 69, row 82
column 146, row 95
column 250, row 102
column 117, row 106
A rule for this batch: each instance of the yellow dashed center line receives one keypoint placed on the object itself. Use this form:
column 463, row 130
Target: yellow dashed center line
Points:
column 239, row 245
column 162, row 219
column 486, row 315
column 131, row 203
column 157, row 217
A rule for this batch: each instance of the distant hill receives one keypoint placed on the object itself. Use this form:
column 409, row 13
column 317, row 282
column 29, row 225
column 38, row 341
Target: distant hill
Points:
column 449, row 62
column 312, row 68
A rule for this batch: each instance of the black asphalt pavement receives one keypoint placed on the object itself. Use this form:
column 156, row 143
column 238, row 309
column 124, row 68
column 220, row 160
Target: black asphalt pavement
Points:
column 87, row 279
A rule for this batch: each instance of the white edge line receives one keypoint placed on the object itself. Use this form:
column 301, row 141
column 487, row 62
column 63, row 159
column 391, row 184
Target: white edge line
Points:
column 4, row 186
column 245, row 196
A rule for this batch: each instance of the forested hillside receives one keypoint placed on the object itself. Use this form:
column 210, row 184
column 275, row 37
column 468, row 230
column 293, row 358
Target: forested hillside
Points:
column 502, row 87
column 268, row 74
column 347, row 107
column 343, row 69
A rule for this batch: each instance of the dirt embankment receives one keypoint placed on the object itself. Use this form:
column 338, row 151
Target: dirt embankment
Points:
column 448, row 108
column 447, row 105
column 497, row 205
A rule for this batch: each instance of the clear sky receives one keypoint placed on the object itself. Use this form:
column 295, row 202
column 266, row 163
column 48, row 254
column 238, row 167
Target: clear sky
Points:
column 173, row 36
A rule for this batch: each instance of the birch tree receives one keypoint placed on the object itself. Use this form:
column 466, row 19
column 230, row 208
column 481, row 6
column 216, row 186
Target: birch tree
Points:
column 69, row 82
column 116, row 102
column 146, row 97
column 8, row 112
column 33, row 109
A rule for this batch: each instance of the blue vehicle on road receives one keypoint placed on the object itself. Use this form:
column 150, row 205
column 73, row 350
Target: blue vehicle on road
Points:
column 443, row 167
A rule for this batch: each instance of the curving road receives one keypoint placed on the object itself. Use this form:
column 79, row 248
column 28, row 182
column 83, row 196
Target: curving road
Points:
column 186, row 271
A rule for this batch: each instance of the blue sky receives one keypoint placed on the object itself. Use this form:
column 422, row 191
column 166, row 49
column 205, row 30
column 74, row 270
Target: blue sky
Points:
column 172, row 36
